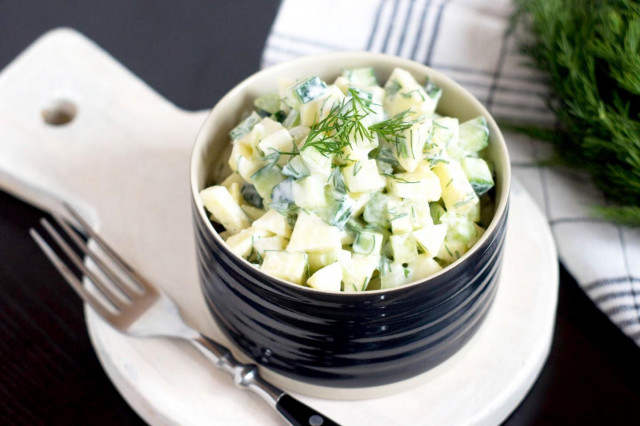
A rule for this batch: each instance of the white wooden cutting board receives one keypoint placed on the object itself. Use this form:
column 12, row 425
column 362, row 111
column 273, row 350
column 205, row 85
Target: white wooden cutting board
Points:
column 123, row 161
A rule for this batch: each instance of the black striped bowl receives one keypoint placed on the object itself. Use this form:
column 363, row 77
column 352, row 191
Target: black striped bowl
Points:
column 344, row 340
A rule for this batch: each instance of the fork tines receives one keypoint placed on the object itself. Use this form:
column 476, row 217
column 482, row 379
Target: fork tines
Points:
column 113, row 290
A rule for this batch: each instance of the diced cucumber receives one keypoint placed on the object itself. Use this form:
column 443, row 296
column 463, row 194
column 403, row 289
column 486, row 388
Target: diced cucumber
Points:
column 474, row 134
column 451, row 250
column 319, row 259
column 316, row 162
column 251, row 196
column 224, row 208
column 397, row 274
column 423, row 267
column 319, row 108
column 376, row 209
column 337, row 181
column 277, row 143
column 242, row 242
column 295, row 168
column 245, row 126
column 403, row 93
column 361, row 77
column 445, row 130
column 299, row 135
column 357, row 272
column 328, row 278
column 269, row 102
column 386, row 160
column 478, row 173
column 266, row 179
column 308, row 192
column 339, row 209
column 430, row 238
column 360, row 201
column 367, row 243
column 309, row 89
column 394, row 274
column 239, row 150
column 347, row 236
column 460, row 228
column 457, row 193
column 342, row 83
column 264, row 244
column 420, row 185
column 247, row 167
column 232, row 178
column 292, row 119
column 437, row 211
column 234, row 190
column 289, row 266
column 269, row 126
column 419, row 213
column 363, row 176
column 254, row 213
column 275, row 223
column 445, row 137
column 404, row 248
column 399, row 217
column 409, row 147
column 311, row 233
column 282, row 196
column 433, row 90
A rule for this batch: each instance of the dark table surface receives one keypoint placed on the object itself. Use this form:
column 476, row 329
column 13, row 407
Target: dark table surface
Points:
column 192, row 52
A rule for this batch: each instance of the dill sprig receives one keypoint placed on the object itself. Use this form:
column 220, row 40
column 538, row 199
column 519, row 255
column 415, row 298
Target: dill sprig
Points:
column 392, row 128
column 590, row 52
column 343, row 122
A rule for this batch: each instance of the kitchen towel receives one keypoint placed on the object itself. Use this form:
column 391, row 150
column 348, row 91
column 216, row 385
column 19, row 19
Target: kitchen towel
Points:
column 471, row 42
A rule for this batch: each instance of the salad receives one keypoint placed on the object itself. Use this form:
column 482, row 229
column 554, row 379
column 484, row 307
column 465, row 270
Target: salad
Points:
column 353, row 186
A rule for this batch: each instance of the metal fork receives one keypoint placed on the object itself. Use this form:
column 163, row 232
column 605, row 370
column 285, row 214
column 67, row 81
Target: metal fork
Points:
column 132, row 305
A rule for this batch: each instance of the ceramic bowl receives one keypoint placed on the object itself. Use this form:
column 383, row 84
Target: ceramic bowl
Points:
column 344, row 340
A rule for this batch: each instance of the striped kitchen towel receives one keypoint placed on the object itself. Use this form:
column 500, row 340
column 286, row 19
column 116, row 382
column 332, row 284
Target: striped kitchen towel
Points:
column 468, row 40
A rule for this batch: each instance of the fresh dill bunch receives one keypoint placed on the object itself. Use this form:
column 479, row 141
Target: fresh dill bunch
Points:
column 590, row 51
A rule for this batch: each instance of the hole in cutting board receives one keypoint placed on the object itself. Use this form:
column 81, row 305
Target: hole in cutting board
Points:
column 59, row 112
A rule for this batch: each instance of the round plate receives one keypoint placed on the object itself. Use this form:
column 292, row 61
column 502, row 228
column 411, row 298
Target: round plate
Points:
column 169, row 382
